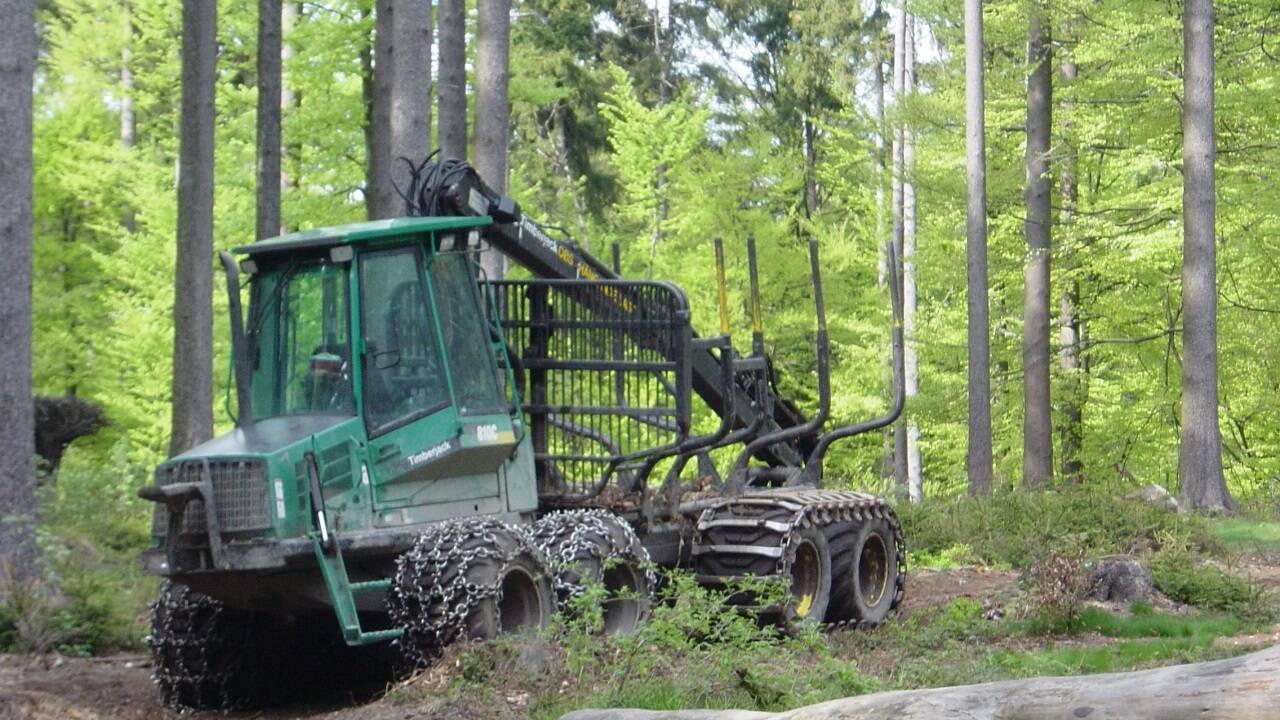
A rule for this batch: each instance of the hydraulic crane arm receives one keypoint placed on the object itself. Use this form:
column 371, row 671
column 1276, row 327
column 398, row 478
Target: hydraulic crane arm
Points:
column 456, row 189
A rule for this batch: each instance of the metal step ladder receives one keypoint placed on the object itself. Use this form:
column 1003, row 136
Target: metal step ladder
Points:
column 342, row 592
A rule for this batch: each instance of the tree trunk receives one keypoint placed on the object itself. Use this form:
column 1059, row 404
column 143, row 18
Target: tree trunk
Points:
column 978, row 456
column 380, row 198
column 128, row 123
column 877, row 115
column 453, row 79
column 289, row 100
column 1069, row 332
column 911, row 363
column 269, row 91
column 410, row 91
column 493, row 108
column 128, row 120
column 899, row 225
column 17, row 412
column 1037, row 430
column 1240, row 688
column 193, row 279
column 1200, row 447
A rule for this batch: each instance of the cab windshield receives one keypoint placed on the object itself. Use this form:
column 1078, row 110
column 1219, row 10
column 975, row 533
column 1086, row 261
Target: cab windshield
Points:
column 299, row 332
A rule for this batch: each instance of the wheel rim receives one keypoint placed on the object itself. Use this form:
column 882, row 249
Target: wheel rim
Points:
column 621, row 609
column 520, row 606
column 873, row 570
column 806, row 579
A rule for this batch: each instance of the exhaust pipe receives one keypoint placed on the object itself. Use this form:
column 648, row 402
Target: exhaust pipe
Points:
column 239, row 348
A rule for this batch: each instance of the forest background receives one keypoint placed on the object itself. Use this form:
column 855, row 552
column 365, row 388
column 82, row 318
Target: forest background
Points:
column 659, row 128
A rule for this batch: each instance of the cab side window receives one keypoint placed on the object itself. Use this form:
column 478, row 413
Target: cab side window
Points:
column 403, row 372
column 466, row 335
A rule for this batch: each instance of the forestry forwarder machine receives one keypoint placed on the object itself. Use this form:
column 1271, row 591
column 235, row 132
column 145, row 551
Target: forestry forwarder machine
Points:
column 430, row 455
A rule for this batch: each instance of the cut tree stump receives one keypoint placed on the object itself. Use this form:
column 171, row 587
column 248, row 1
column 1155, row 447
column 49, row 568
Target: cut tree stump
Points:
column 1241, row 688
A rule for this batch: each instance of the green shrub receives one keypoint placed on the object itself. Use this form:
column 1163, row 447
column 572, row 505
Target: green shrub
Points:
column 1183, row 577
column 1013, row 528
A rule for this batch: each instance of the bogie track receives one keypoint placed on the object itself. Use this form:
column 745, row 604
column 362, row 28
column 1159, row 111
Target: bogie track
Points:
column 796, row 535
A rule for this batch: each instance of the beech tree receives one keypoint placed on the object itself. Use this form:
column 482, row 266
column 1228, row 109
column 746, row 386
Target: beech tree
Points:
column 193, row 278
column 1070, row 330
column 978, row 454
column 380, row 195
column 1037, row 433
column 452, row 90
column 1200, row 474
column 17, row 443
column 493, row 107
column 269, row 90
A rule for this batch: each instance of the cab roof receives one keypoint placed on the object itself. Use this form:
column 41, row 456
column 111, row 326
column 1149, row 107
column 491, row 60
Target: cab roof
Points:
column 360, row 232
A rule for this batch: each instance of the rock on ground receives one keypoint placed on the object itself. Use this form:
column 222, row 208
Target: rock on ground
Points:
column 1120, row 578
column 1156, row 495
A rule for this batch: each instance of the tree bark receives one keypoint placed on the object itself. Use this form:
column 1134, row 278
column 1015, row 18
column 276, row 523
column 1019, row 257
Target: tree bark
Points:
column 978, row 455
column 410, row 91
column 289, row 100
column 911, row 363
column 128, row 120
column 128, row 123
column 17, row 411
column 1037, row 430
column 1200, row 448
column 899, row 222
column 452, row 91
column 269, row 96
column 493, row 108
column 380, row 197
column 877, row 116
column 1240, row 688
column 193, row 278
column 1073, row 389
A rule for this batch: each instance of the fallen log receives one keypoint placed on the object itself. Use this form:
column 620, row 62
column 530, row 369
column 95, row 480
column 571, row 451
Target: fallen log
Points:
column 1240, row 688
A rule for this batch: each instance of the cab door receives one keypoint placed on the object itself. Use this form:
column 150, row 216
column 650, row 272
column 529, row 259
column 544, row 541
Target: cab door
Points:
column 415, row 446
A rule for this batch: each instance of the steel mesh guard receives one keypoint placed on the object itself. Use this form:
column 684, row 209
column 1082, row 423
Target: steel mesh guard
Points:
column 239, row 491
column 606, row 377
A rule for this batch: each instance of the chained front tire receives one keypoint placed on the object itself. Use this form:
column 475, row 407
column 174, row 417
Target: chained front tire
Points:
column 595, row 546
column 467, row 579
column 206, row 656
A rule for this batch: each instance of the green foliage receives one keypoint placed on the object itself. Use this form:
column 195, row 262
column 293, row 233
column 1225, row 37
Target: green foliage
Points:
column 1186, row 578
column 947, row 558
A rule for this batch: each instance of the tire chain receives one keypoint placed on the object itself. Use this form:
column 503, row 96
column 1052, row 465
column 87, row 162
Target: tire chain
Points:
column 818, row 508
column 567, row 536
column 190, row 634
column 432, row 596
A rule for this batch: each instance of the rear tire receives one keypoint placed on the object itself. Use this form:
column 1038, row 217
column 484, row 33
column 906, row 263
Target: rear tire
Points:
column 867, row 576
column 206, row 656
column 471, row 579
column 596, row 546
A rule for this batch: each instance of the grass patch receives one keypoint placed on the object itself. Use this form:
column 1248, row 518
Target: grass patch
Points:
column 1248, row 534
column 1143, row 622
column 1112, row 657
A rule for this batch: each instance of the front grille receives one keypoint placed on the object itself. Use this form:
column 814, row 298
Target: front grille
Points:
column 239, row 492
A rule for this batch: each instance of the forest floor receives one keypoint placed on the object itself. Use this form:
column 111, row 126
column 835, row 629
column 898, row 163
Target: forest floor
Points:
column 119, row 686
